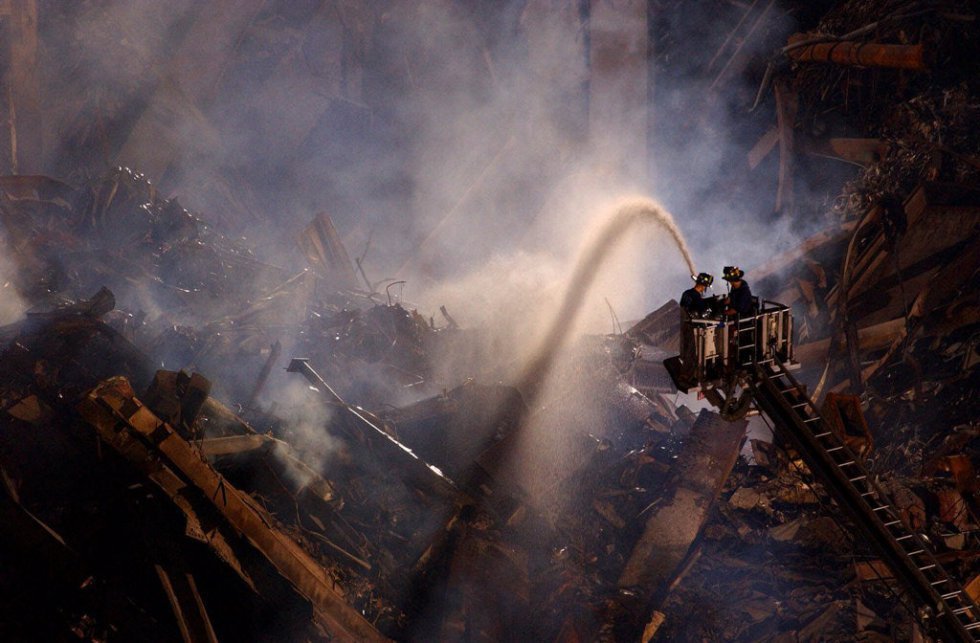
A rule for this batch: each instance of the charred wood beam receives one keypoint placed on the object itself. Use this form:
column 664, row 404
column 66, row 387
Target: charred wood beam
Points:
column 862, row 54
column 672, row 528
column 235, row 444
column 763, row 147
column 114, row 410
column 312, row 483
column 220, row 539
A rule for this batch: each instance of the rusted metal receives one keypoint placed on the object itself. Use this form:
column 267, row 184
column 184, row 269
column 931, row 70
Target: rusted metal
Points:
column 863, row 54
column 410, row 467
column 843, row 414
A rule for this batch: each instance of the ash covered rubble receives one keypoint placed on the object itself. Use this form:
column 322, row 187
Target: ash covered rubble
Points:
column 151, row 499
column 886, row 299
column 388, row 502
column 164, row 513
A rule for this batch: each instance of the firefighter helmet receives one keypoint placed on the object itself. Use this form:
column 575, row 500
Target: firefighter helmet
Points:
column 732, row 273
column 703, row 279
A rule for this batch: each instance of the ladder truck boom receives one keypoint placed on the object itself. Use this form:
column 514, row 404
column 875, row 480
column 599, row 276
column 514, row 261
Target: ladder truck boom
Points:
column 746, row 363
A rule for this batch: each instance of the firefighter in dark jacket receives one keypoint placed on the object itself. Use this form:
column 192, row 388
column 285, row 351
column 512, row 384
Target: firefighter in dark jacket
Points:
column 739, row 295
column 694, row 305
column 693, row 301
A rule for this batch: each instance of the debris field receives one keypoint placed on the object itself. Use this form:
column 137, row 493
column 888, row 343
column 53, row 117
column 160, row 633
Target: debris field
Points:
column 199, row 443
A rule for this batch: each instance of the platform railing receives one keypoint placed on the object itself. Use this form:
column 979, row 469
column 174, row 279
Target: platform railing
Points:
column 724, row 345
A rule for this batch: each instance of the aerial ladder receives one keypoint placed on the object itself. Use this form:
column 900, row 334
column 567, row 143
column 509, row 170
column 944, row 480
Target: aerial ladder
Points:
column 746, row 364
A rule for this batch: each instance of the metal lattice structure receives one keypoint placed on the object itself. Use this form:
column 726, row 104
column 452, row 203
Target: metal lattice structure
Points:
column 747, row 362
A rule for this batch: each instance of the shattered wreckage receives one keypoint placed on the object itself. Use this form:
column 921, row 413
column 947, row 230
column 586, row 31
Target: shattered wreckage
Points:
column 198, row 444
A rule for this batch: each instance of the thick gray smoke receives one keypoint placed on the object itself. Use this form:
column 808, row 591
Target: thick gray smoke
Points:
column 457, row 135
column 469, row 141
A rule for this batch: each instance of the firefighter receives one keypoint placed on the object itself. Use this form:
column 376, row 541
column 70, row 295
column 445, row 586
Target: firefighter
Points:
column 693, row 301
column 694, row 305
column 739, row 298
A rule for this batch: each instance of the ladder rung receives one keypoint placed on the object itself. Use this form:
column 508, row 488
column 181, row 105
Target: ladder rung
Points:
column 800, row 405
column 871, row 493
column 916, row 552
column 962, row 610
column 858, row 478
column 813, row 419
column 832, row 449
column 845, row 464
column 922, row 569
column 971, row 626
column 823, row 435
column 905, row 537
column 881, row 507
column 946, row 597
column 893, row 522
column 940, row 582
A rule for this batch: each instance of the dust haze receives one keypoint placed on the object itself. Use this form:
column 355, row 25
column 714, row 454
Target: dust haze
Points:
column 461, row 139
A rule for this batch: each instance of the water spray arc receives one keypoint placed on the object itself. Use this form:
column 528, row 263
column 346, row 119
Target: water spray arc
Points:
column 624, row 217
column 514, row 413
column 534, row 374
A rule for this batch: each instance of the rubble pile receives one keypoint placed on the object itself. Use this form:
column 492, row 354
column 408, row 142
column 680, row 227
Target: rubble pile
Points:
column 915, row 126
column 319, row 516
column 199, row 444
column 885, row 302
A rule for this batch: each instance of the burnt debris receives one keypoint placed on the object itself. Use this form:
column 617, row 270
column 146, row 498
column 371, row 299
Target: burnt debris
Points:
column 203, row 438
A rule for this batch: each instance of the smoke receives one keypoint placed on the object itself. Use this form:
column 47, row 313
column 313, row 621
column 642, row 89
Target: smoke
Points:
column 465, row 138
column 305, row 421
column 468, row 139
column 595, row 278
column 447, row 129
column 12, row 305
column 624, row 217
